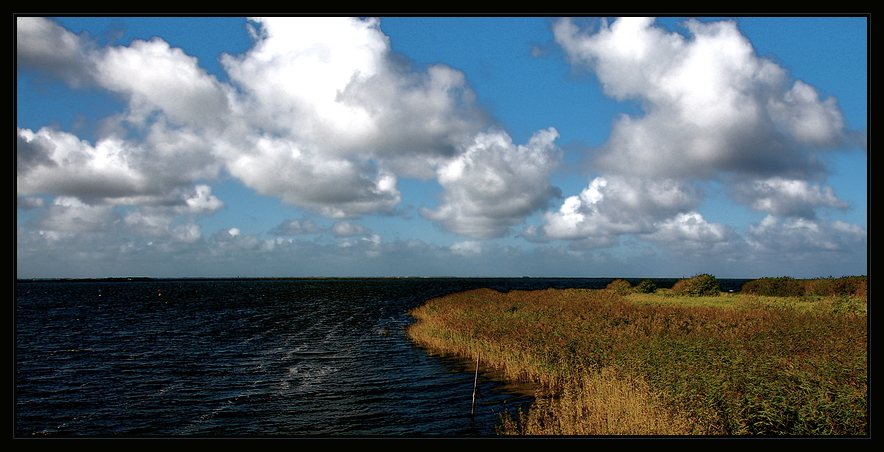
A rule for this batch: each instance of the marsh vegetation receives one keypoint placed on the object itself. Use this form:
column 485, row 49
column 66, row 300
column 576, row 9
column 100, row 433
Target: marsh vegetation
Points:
column 647, row 361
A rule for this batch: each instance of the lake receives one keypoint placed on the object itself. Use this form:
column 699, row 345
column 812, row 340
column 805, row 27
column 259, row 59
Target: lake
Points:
column 240, row 357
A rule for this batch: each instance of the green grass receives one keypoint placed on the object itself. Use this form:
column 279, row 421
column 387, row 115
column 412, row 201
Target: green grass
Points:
column 734, row 364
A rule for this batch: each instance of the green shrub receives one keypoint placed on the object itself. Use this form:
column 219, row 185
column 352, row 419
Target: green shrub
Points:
column 850, row 286
column 783, row 286
column 619, row 286
column 646, row 286
column 704, row 285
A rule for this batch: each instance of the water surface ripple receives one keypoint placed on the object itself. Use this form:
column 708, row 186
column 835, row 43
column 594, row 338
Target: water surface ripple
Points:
column 243, row 357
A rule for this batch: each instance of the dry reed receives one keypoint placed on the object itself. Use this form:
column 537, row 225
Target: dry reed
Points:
column 654, row 364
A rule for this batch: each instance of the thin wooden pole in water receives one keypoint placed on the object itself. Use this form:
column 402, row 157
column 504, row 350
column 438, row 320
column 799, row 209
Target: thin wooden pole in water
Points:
column 475, row 382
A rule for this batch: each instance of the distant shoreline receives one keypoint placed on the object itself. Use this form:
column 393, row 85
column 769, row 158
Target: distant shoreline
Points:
column 727, row 284
column 332, row 278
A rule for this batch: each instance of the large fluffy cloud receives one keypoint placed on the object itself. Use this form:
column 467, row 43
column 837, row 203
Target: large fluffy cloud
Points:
column 335, row 84
column 329, row 115
column 495, row 184
column 156, row 78
column 331, row 186
column 319, row 112
column 44, row 45
column 140, row 176
column 324, row 115
column 710, row 103
column 711, row 110
column 57, row 162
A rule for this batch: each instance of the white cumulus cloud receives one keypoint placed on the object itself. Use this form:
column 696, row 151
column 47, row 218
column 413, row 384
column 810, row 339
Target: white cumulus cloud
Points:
column 710, row 104
column 495, row 184
column 320, row 112
column 787, row 197
column 612, row 206
column 349, row 229
column 800, row 236
column 711, row 110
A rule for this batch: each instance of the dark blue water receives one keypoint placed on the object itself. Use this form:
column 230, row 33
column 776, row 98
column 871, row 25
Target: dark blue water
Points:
column 245, row 358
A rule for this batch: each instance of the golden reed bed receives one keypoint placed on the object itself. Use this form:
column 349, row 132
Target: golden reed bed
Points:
column 660, row 364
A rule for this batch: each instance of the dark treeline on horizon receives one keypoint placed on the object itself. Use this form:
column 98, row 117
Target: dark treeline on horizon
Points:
column 285, row 278
column 308, row 278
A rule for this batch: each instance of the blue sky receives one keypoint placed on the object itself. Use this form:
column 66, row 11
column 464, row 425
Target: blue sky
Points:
column 460, row 146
